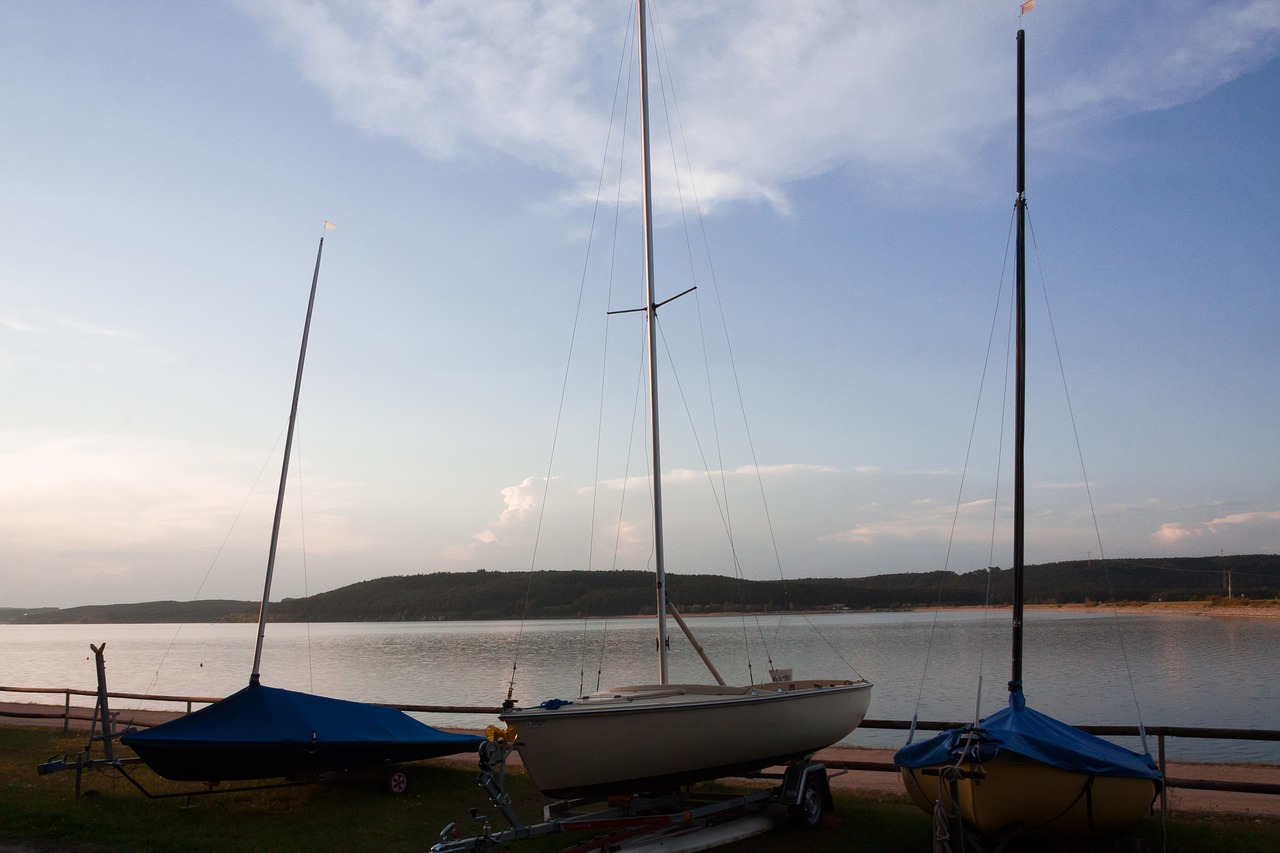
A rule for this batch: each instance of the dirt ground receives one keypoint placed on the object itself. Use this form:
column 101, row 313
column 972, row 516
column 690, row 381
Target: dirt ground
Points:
column 880, row 782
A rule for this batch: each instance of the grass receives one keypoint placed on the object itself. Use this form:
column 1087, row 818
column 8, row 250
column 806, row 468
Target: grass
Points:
column 351, row 813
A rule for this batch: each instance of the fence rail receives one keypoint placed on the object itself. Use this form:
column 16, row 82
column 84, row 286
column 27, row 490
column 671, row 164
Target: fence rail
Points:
column 71, row 712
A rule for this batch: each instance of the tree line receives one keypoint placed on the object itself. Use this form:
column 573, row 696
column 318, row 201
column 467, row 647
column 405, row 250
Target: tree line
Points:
column 448, row 596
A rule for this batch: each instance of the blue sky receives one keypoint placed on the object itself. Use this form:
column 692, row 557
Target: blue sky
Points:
column 167, row 168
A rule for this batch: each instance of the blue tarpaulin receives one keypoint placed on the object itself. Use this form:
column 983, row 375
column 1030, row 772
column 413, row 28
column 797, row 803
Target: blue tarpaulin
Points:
column 1033, row 735
column 267, row 732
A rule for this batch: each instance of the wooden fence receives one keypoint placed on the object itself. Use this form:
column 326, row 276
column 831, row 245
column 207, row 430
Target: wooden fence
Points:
column 70, row 712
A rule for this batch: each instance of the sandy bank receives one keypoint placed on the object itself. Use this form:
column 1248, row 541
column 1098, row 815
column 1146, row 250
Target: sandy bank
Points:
column 1257, row 610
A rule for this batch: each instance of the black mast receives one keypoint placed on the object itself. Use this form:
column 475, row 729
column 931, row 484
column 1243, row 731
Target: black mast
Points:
column 1020, row 406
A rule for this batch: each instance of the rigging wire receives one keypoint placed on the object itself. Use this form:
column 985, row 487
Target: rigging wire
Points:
column 306, row 591
column 667, row 100
column 155, row 678
column 678, row 125
column 613, row 256
column 573, row 339
column 671, row 107
column 1009, row 353
column 1075, row 433
column 964, row 473
column 637, row 398
column 582, row 664
column 1088, row 491
column 720, row 497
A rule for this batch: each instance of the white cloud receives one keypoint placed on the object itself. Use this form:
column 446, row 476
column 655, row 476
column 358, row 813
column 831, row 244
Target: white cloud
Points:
column 768, row 92
column 1251, row 525
column 1162, row 56
column 623, row 484
column 556, row 524
column 520, row 501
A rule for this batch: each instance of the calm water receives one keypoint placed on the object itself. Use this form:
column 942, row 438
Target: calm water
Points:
column 1191, row 671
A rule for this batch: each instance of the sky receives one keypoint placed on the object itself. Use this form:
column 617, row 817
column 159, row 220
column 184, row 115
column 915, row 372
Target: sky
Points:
column 167, row 170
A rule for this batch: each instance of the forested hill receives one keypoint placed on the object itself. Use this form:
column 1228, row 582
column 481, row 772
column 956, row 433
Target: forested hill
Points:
column 542, row 595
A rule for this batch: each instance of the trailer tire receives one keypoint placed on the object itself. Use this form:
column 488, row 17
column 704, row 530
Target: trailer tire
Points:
column 396, row 782
column 807, row 813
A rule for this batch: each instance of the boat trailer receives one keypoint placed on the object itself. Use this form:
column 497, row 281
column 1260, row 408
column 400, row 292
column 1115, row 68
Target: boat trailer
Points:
column 682, row 820
column 101, row 716
column 395, row 781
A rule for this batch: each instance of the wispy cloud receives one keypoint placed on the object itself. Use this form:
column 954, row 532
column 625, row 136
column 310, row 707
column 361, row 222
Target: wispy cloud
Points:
column 927, row 519
column 687, row 475
column 91, row 329
column 13, row 324
column 72, row 324
column 770, row 92
column 85, row 340
column 787, row 469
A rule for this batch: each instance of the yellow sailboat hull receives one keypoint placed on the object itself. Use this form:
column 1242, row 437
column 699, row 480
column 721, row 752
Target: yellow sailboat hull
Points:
column 1011, row 794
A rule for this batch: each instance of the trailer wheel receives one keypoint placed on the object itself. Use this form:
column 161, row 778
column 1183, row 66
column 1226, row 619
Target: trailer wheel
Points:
column 397, row 782
column 807, row 813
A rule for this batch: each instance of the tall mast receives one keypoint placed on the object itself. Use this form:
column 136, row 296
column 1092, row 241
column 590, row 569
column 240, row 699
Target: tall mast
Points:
column 1020, row 406
column 651, row 312
column 284, row 472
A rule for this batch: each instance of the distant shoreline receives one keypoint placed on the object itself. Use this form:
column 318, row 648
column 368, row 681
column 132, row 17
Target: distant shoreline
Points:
column 1253, row 609
column 1262, row 609
column 1195, row 582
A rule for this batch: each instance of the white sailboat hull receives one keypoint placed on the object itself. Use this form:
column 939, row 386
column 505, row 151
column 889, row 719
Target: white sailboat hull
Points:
column 656, row 737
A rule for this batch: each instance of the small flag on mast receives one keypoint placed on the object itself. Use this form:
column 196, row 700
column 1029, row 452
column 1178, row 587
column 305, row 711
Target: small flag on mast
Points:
column 1027, row 7
column 328, row 226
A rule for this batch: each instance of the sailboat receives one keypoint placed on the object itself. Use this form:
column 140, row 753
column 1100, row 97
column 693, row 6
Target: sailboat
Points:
column 1021, row 772
column 658, row 737
column 265, row 732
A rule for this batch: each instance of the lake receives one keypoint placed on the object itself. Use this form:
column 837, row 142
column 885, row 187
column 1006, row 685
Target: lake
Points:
column 1082, row 667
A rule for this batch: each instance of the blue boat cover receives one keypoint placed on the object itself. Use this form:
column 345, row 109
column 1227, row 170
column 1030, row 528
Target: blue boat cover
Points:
column 1031, row 734
column 261, row 732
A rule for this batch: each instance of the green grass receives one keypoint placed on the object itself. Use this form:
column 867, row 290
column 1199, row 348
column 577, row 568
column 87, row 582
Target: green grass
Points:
column 350, row 813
